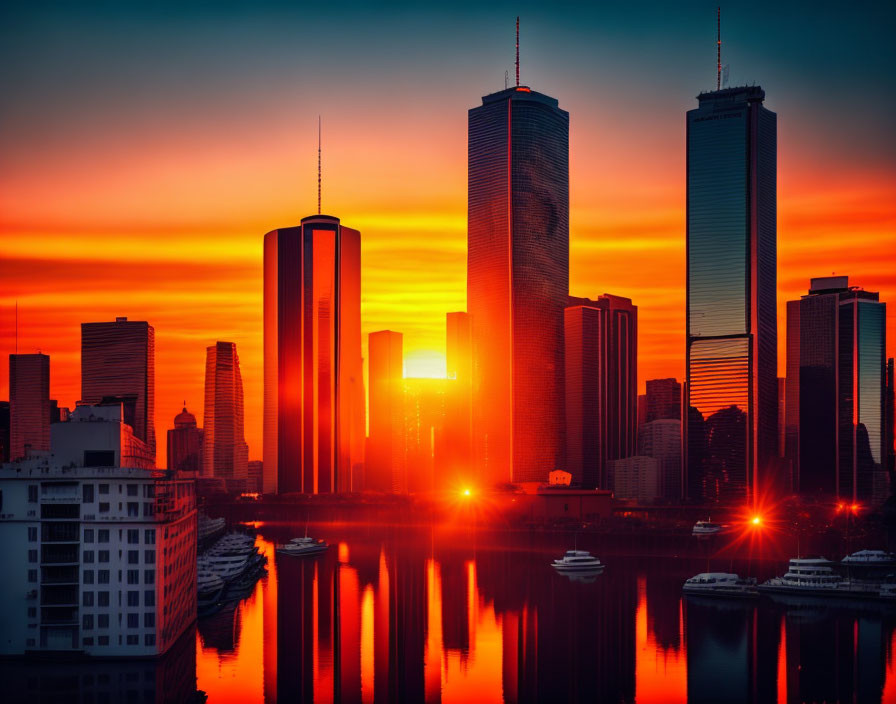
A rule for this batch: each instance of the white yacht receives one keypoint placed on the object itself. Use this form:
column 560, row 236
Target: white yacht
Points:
column 303, row 546
column 722, row 584
column 208, row 528
column 703, row 529
column 577, row 561
column 870, row 558
column 805, row 574
column 225, row 566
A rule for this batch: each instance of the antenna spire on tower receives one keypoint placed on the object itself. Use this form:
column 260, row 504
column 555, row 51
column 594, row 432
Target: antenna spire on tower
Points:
column 318, row 164
column 517, row 51
column 718, row 48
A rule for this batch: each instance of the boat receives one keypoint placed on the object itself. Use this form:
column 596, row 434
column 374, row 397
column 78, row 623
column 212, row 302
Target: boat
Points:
column 302, row 547
column 209, row 586
column 870, row 558
column 578, row 561
column 721, row 584
column 208, row 528
column 704, row 529
column 815, row 576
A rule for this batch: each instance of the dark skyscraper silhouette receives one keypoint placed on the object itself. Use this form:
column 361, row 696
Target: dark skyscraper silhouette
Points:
column 663, row 400
column 29, row 404
column 314, row 423
column 225, row 453
column 118, row 360
column 185, row 443
column 518, row 281
column 836, row 387
column 731, row 294
column 601, row 385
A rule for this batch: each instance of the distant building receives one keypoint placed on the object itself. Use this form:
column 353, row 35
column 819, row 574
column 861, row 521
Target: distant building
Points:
column 385, row 468
column 225, row 454
column 424, row 432
column 835, row 433
column 29, row 404
column 663, row 399
column 99, row 548
column 185, row 444
column 559, row 478
column 601, row 357
column 256, row 476
column 661, row 439
column 314, row 411
column 517, row 282
column 458, row 459
column 118, row 361
column 731, row 354
column 636, row 478
column 4, row 431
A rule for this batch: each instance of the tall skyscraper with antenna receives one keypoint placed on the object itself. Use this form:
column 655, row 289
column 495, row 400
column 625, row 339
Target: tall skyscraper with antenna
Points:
column 731, row 351
column 518, row 281
column 314, row 414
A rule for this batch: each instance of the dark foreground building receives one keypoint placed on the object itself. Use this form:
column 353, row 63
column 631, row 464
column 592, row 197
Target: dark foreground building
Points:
column 836, row 392
column 731, row 401
column 518, row 282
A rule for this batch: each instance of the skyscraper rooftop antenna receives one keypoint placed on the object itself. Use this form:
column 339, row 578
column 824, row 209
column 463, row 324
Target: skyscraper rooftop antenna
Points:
column 718, row 48
column 318, row 164
column 517, row 51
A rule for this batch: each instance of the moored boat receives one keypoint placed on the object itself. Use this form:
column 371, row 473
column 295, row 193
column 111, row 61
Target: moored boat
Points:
column 577, row 561
column 721, row 584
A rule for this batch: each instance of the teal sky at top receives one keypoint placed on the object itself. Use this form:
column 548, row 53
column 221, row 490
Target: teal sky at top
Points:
column 830, row 65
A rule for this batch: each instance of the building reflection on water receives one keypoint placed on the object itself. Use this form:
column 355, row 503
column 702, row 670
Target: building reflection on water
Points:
column 395, row 615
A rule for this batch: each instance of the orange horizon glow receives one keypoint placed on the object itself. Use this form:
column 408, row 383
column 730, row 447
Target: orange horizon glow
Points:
column 178, row 243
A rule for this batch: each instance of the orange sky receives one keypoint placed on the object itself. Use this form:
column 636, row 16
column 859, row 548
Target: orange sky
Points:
column 173, row 235
column 141, row 183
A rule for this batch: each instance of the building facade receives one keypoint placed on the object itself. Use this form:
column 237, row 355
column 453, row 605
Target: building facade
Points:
column 518, row 282
column 661, row 439
column 225, row 454
column 100, row 548
column 731, row 297
column 386, row 470
column 601, row 377
column 663, row 400
column 314, row 411
column 185, row 444
column 835, row 433
column 29, row 404
column 635, row 478
column 118, row 362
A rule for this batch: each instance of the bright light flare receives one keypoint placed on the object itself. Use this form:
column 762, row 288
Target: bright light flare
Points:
column 756, row 521
column 467, row 493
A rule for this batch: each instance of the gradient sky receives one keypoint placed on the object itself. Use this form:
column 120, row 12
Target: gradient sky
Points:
column 145, row 149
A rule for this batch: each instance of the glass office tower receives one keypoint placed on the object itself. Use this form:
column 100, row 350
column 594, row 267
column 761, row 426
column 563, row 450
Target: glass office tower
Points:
column 314, row 418
column 518, row 281
column 731, row 294
column 225, row 453
column 29, row 404
column 118, row 364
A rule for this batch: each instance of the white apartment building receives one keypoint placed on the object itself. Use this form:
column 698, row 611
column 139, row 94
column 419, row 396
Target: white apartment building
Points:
column 99, row 547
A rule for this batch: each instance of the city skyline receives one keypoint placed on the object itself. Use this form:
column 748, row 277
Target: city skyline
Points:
column 609, row 225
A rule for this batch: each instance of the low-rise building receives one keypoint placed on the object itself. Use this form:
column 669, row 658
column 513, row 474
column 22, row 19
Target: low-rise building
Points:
column 99, row 547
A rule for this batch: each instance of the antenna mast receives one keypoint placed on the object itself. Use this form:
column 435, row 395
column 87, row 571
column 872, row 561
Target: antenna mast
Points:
column 718, row 48
column 318, row 164
column 517, row 51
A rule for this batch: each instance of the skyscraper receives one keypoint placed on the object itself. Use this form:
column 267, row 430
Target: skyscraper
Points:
column 29, row 403
column 661, row 439
column 314, row 424
column 118, row 360
column 385, row 468
column 836, row 391
column 225, row 454
column 518, row 281
column 731, row 292
column 185, row 444
column 601, row 358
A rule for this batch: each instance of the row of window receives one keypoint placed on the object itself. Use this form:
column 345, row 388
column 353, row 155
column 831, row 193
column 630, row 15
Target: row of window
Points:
column 133, row 598
column 149, row 556
column 148, row 639
column 133, row 620
column 133, row 576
